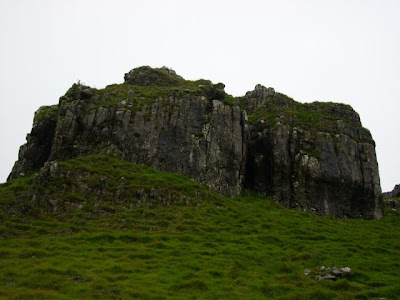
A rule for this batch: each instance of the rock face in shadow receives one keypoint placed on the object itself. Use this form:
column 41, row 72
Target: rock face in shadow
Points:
column 39, row 142
column 315, row 157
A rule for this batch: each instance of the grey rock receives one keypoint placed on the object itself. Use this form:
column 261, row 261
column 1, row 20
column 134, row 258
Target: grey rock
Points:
column 86, row 93
column 148, row 76
column 214, row 91
column 392, row 199
column 258, row 97
column 325, row 277
column 326, row 164
column 336, row 272
column 203, row 139
column 327, row 273
column 345, row 271
column 328, row 170
column 78, row 91
column 393, row 204
column 260, row 92
column 393, row 193
column 36, row 151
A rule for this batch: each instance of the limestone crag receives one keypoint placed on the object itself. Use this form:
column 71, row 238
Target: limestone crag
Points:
column 395, row 193
column 323, row 162
column 392, row 199
column 202, row 139
column 189, row 134
column 148, row 76
column 315, row 157
column 36, row 151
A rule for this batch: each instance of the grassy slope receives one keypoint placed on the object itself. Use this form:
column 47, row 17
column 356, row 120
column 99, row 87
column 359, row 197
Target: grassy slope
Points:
column 246, row 247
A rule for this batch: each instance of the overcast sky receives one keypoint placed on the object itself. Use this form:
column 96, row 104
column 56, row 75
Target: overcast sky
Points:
column 342, row 51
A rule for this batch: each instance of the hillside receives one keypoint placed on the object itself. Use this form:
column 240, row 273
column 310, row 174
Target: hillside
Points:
column 188, row 242
column 166, row 188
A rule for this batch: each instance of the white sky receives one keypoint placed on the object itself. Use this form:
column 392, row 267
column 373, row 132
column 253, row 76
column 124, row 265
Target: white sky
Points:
column 343, row 51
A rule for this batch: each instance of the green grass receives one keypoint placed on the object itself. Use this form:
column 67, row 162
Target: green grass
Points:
column 137, row 96
column 145, row 87
column 211, row 247
column 46, row 112
column 314, row 153
column 229, row 100
column 315, row 116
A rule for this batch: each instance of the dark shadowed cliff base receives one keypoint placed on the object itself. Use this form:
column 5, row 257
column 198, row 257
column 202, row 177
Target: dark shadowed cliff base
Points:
column 315, row 157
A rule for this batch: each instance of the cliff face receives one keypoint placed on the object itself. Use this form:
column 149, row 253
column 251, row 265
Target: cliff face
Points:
column 315, row 157
column 392, row 199
column 395, row 193
column 39, row 142
column 175, row 129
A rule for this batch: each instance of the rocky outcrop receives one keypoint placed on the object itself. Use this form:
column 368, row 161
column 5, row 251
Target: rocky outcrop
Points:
column 189, row 134
column 82, row 193
column 36, row 151
column 315, row 157
column 395, row 193
column 148, row 76
column 327, row 273
column 392, row 199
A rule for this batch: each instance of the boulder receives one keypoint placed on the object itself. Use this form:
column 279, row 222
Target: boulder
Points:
column 148, row 76
column 327, row 273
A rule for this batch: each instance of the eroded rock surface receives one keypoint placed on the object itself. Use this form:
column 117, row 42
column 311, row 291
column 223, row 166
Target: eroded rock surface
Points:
column 315, row 157
column 395, row 193
column 184, row 133
column 392, row 199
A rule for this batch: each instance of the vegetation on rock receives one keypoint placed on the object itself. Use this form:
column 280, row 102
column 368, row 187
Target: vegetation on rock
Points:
column 315, row 157
column 315, row 116
column 46, row 113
